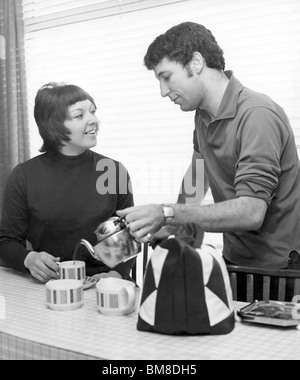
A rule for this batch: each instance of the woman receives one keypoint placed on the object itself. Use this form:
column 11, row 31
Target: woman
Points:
column 62, row 195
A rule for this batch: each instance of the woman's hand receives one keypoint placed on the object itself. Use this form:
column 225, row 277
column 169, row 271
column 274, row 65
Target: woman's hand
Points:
column 42, row 266
column 112, row 273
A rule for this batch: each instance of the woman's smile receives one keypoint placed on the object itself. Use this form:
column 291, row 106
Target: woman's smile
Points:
column 83, row 125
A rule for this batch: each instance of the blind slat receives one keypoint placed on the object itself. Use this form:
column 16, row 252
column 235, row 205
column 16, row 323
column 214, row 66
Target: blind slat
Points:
column 75, row 12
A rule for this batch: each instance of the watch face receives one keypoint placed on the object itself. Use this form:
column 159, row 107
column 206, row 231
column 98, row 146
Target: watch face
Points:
column 169, row 212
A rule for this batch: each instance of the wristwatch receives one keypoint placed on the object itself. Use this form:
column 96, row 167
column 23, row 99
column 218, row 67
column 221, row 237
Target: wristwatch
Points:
column 169, row 213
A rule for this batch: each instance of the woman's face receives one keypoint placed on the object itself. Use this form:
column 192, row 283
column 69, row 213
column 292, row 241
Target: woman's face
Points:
column 83, row 126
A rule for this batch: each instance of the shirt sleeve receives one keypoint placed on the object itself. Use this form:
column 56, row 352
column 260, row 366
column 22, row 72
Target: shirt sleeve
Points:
column 260, row 142
column 14, row 223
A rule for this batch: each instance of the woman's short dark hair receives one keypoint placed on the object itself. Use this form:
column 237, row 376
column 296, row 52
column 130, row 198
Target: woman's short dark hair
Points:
column 51, row 111
column 181, row 42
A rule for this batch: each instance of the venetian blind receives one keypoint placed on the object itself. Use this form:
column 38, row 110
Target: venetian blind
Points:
column 100, row 45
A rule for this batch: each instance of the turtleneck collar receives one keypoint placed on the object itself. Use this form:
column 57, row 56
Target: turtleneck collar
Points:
column 70, row 160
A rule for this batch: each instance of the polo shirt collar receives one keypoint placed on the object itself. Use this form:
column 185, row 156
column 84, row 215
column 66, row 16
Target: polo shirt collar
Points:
column 229, row 104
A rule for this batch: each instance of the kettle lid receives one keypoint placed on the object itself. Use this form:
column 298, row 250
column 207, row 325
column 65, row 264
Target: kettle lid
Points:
column 109, row 227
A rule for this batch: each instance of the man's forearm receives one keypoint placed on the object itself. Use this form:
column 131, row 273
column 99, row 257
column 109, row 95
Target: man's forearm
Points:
column 241, row 214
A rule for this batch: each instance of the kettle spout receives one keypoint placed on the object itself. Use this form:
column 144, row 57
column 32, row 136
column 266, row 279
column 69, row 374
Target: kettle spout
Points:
column 88, row 245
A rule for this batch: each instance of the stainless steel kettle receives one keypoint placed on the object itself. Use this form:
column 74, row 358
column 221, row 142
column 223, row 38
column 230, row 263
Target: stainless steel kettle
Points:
column 115, row 243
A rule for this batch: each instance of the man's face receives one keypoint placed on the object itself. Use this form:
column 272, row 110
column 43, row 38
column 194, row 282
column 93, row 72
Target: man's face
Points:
column 180, row 84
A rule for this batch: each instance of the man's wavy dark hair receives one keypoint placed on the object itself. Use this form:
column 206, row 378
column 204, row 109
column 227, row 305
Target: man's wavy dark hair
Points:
column 180, row 43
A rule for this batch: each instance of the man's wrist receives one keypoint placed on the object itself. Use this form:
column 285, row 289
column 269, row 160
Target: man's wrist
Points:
column 169, row 214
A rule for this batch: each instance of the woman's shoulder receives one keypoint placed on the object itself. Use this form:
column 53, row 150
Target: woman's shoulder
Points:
column 30, row 168
column 31, row 163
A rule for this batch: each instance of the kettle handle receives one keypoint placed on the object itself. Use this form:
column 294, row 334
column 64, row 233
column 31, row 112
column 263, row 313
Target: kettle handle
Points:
column 123, row 225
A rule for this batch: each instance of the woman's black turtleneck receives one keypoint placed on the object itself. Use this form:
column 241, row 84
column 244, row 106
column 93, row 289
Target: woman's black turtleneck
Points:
column 53, row 200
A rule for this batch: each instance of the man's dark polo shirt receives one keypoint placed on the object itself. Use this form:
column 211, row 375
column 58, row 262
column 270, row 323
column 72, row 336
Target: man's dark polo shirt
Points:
column 250, row 150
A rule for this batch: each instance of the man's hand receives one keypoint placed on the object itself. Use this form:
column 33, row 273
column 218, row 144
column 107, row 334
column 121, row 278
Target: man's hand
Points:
column 144, row 221
column 42, row 266
column 164, row 233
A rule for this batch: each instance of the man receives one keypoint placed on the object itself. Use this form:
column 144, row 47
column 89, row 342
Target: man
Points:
column 249, row 152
